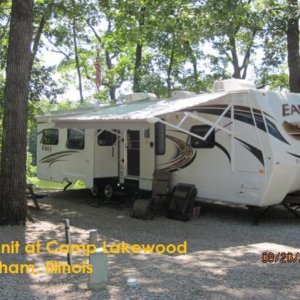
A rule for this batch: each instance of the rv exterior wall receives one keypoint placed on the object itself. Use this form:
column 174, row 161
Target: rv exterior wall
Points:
column 259, row 166
column 258, row 155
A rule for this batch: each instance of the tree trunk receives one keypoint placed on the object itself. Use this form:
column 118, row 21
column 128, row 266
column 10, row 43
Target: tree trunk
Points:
column 112, row 94
column 137, row 68
column 235, row 60
column 111, row 86
column 139, row 55
column 293, row 51
column 170, row 67
column 195, row 68
column 13, row 203
column 77, row 61
column 193, row 59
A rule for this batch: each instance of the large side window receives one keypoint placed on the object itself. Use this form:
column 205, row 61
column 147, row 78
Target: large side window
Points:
column 202, row 130
column 50, row 136
column 106, row 138
column 75, row 139
column 160, row 138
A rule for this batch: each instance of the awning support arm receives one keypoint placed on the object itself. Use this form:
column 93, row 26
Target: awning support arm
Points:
column 196, row 117
column 111, row 131
column 213, row 125
column 180, row 129
column 183, row 119
column 98, row 133
column 78, row 130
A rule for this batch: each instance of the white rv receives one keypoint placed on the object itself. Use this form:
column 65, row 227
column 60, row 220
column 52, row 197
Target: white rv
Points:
column 238, row 144
column 75, row 154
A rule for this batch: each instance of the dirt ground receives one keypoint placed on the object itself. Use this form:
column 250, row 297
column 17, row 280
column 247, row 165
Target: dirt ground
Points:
column 224, row 259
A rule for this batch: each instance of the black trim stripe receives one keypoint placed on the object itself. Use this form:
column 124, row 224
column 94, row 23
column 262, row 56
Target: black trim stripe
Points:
column 246, row 117
column 222, row 148
column 255, row 151
column 295, row 155
column 239, row 108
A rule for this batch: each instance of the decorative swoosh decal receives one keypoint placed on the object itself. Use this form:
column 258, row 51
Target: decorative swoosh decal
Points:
column 255, row 151
column 224, row 150
column 186, row 155
column 295, row 155
column 56, row 157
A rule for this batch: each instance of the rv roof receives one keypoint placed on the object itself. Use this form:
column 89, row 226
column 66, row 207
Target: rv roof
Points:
column 136, row 111
column 70, row 112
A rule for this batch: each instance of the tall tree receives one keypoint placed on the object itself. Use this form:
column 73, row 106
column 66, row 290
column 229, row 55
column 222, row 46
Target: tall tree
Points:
column 232, row 28
column 281, row 44
column 77, row 60
column 292, row 34
column 13, row 203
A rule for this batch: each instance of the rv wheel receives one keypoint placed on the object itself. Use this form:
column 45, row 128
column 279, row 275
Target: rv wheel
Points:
column 94, row 191
column 108, row 191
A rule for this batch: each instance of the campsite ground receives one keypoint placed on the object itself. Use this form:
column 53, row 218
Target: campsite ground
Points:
column 223, row 259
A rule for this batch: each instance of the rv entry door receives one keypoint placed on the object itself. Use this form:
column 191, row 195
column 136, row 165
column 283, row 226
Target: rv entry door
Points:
column 133, row 153
column 106, row 154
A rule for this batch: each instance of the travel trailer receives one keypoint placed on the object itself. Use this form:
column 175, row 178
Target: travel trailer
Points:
column 68, row 155
column 237, row 144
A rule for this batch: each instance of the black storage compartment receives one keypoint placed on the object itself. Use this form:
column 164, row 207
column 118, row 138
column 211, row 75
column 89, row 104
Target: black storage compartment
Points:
column 182, row 200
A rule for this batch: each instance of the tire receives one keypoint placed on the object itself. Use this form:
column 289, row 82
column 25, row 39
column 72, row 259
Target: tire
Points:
column 95, row 191
column 108, row 191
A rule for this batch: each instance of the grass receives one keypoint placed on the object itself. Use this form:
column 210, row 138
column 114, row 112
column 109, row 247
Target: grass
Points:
column 49, row 185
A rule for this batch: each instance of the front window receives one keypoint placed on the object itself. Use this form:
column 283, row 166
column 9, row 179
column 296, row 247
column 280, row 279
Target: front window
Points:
column 50, row 136
column 202, row 130
column 75, row 139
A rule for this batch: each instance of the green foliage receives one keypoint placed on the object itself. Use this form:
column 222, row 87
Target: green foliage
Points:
column 30, row 170
column 79, row 185
column 49, row 185
column 277, row 79
column 234, row 30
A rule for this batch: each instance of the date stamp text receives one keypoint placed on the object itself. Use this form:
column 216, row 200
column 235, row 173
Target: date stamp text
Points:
column 280, row 257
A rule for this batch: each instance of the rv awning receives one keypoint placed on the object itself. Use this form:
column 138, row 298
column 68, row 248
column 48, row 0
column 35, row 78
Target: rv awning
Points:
column 132, row 113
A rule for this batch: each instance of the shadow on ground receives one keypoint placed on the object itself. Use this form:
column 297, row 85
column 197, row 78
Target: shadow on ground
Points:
column 223, row 259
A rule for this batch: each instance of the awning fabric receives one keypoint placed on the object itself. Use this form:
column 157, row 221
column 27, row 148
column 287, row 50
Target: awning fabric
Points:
column 133, row 112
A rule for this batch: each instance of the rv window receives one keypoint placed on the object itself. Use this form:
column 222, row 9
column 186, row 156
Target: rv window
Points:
column 201, row 130
column 50, row 137
column 75, row 139
column 106, row 138
column 160, row 138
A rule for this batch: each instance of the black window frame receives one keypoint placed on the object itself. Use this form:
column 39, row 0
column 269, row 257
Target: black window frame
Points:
column 202, row 130
column 78, row 132
column 56, row 142
column 109, row 138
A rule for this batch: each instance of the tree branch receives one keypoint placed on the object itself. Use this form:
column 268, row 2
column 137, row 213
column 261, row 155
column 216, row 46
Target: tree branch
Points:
column 245, row 63
column 94, row 31
column 77, row 60
column 39, row 33
column 67, row 56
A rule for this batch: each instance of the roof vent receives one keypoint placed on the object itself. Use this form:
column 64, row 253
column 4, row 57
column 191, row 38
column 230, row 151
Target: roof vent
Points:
column 138, row 97
column 230, row 85
column 182, row 94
